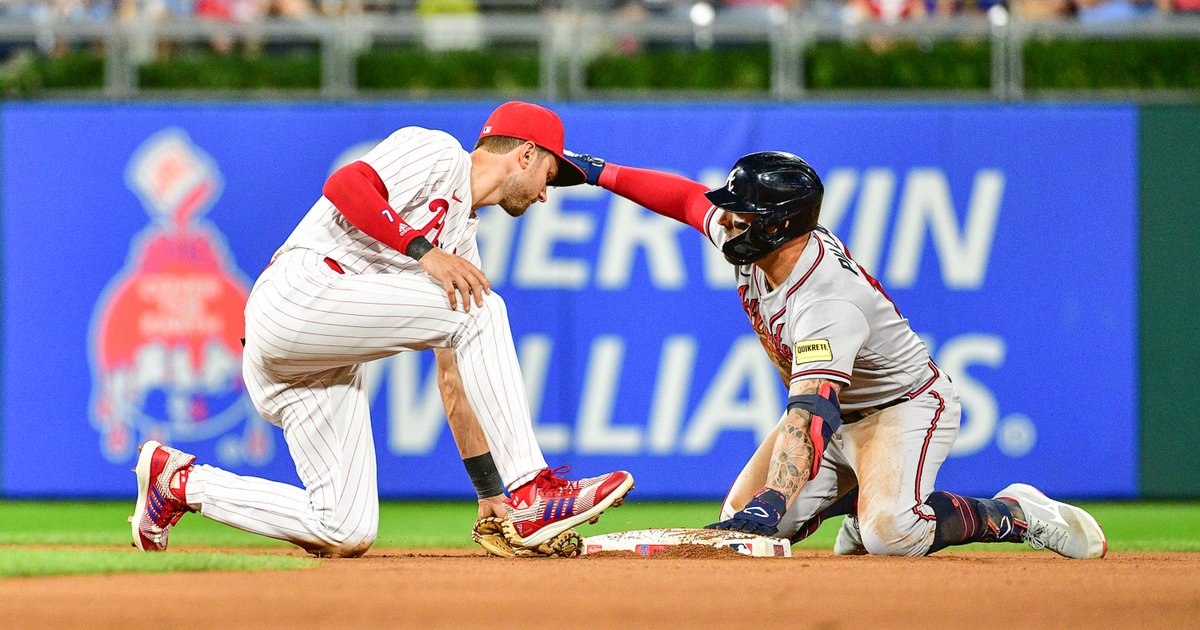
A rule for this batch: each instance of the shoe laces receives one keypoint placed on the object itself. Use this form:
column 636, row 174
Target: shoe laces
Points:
column 170, row 512
column 1041, row 535
column 173, row 508
column 551, row 478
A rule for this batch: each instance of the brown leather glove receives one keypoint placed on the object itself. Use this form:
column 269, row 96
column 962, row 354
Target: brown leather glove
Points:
column 498, row 538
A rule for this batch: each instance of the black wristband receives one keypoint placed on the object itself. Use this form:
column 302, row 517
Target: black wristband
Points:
column 418, row 247
column 484, row 475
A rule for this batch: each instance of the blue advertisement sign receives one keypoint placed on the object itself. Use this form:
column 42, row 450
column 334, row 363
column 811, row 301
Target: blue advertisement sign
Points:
column 132, row 234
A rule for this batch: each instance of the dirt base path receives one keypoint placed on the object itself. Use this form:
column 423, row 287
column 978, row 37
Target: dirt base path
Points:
column 392, row 588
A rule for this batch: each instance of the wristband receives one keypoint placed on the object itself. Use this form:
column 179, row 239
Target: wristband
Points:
column 485, row 477
column 418, row 247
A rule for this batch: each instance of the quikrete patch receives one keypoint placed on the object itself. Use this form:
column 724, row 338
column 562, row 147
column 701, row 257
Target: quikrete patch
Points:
column 811, row 350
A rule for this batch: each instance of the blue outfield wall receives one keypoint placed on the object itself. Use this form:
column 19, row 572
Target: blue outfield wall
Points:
column 1006, row 234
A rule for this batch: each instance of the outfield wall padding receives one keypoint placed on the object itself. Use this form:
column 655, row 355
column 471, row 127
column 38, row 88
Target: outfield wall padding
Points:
column 1006, row 233
column 1169, row 302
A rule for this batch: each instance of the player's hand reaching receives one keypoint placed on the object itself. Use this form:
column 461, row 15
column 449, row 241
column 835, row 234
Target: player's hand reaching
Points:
column 492, row 506
column 459, row 277
column 760, row 517
column 592, row 167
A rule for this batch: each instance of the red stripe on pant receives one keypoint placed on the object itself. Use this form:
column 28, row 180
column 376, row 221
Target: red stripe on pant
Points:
column 924, row 451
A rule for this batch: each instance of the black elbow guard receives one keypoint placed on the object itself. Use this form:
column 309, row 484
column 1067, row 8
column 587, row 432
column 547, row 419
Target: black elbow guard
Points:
column 826, row 419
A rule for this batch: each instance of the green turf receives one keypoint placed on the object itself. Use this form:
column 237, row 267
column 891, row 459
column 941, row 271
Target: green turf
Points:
column 1139, row 526
column 39, row 562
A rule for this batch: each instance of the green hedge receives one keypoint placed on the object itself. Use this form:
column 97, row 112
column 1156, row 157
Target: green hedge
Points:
column 828, row 65
column 734, row 69
column 944, row 65
column 26, row 74
column 1113, row 64
column 420, row 70
column 291, row 70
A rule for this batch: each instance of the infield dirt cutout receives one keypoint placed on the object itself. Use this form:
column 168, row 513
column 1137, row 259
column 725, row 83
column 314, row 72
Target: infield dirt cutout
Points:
column 397, row 588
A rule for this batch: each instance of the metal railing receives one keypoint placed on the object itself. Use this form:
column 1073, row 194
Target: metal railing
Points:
column 567, row 40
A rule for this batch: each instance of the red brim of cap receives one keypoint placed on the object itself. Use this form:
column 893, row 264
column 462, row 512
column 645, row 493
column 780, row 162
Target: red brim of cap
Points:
column 568, row 173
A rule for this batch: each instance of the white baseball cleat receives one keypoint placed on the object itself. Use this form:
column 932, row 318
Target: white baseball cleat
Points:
column 550, row 505
column 849, row 539
column 1060, row 527
column 159, row 504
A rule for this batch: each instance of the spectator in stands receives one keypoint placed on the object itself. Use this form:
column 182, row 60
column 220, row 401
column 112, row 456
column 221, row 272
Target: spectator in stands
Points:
column 756, row 10
column 61, row 11
column 450, row 24
column 1041, row 9
column 1094, row 11
column 949, row 8
column 247, row 11
column 887, row 11
column 1179, row 6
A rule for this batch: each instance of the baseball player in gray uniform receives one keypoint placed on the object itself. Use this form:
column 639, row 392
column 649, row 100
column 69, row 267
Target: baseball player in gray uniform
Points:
column 385, row 261
column 870, row 418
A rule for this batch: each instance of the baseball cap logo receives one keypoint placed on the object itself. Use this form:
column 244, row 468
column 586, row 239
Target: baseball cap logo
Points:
column 541, row 126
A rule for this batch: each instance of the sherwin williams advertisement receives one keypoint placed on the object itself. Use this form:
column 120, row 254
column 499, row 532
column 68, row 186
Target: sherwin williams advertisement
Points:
column 132, row 234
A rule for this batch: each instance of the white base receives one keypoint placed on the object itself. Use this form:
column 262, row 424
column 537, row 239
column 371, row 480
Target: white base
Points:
column 648, row 542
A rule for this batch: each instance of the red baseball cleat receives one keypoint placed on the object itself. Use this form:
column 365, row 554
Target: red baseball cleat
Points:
column 550, row 505
column 160, row 503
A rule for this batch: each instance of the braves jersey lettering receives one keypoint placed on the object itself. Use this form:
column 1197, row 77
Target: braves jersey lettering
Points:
column 830, row 319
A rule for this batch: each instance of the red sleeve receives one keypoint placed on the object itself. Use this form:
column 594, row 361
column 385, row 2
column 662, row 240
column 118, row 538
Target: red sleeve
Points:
column 663, row 193
column 359, row 194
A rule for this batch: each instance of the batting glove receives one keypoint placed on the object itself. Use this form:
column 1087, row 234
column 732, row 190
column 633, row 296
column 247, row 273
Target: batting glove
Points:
column 760, row 517
column 591, row 166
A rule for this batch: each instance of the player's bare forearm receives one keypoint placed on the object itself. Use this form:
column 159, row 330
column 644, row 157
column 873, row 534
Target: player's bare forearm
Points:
column 793, row 455
column 468, row 435
column 792, row 458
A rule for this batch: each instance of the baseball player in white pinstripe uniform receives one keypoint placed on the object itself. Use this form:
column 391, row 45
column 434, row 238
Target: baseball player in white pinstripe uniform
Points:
column 869, row 415
column 385, row 261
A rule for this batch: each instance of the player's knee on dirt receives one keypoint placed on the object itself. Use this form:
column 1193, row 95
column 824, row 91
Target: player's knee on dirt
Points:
column 349, row 544
column 343, row 549
column 895, row 532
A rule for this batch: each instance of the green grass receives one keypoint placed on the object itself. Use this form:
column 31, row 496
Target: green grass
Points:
column 41, row 562
column 1140, row 526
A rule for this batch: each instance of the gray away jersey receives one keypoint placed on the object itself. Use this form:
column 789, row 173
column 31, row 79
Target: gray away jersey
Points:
column 832, row 320
column 428, row 179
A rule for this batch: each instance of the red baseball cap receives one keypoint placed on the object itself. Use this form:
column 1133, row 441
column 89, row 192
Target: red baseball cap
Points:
column 526, row 121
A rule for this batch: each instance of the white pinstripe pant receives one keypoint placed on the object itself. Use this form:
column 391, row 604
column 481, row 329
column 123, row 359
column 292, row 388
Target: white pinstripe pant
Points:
column 308, row 330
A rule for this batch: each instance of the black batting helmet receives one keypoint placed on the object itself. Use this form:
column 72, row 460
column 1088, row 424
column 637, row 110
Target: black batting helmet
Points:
column 781, row 190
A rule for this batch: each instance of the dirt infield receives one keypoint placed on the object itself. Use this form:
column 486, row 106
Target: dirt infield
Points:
column 461, row 588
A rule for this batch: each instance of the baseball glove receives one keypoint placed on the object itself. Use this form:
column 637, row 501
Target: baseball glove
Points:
column 498, row 538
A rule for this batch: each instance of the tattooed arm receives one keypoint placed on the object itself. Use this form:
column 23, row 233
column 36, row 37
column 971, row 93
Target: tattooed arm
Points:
column 795, row 457
column 792, row 460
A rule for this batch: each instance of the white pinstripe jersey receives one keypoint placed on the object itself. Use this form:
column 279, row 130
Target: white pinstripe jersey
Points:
column 428, row 179
column 832, row 320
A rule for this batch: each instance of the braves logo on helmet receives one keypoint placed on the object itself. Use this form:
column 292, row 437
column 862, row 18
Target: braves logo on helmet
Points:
column 782, row 195
column 165, row 350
